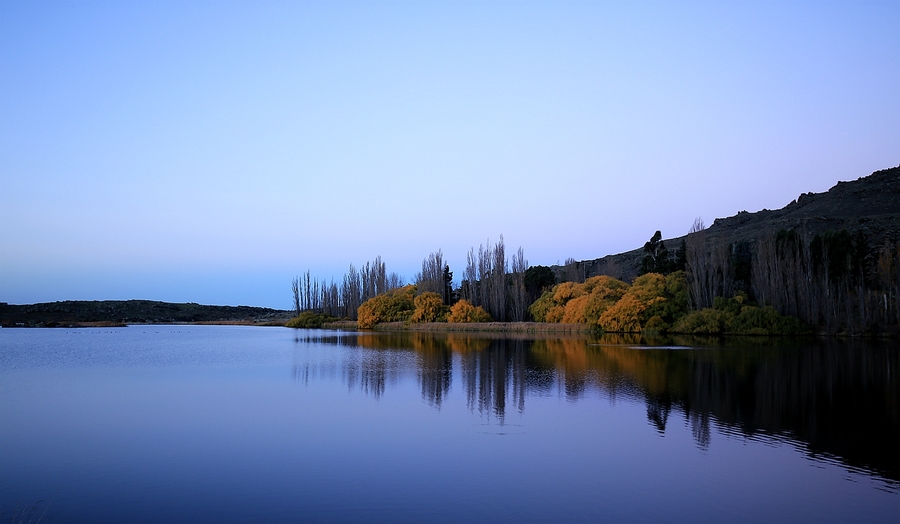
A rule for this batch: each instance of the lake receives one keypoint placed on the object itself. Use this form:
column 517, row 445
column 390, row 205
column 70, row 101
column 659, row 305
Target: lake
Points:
column 264, row 424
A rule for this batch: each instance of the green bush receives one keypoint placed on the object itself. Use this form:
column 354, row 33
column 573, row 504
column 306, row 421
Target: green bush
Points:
column 308, row 319
column 656, row 324
column 754, row 320
column 542, row 306
column 703, row 322
column 734, row 316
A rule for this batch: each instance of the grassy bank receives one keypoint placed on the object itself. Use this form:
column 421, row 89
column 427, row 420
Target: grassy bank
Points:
column 496, row 327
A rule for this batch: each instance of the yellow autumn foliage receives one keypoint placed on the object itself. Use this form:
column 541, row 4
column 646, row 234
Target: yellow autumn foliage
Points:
column 540, row 307
column 429, row 308
column 605, row 287
column 574, row 311
column 555, row 314
column 574, row 303
column 637, row 306
column 393, row 306
column 467, row 344
column 463, row 312
column 604, row 293
column 648, row 287
column 566, row 291
column 652, row 301
column 624, row 315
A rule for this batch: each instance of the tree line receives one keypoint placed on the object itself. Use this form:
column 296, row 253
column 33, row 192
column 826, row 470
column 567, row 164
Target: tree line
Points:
column 342, row 299
column 493, row 283
column 833, row 282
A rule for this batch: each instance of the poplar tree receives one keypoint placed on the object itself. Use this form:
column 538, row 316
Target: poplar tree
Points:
column 517, row 293
column 431, row 279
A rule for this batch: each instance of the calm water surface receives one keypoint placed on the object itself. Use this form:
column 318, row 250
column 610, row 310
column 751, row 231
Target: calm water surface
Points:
column 247, row 424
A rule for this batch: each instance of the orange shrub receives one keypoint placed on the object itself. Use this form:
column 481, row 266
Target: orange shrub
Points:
column 575, row 309
column 573, row 303
column 566, row 291
column 624, row 316
column 463, row 311
column 393, row 306
column 429, row 308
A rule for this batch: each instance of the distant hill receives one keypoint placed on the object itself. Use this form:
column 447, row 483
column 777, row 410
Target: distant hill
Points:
column 105, row 312
column 869, row 204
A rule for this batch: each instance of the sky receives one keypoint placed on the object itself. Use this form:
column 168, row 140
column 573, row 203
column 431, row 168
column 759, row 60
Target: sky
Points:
column 210, row 151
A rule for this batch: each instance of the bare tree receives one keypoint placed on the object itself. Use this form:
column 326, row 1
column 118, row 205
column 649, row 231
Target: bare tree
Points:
column 885, row 297
column 485, row 279
column 700, row 273
column 498, row 282
column 307, row 303
column 611, row 268
column 485, row 263
column 432, row 276
column 351, row 291
column 517, row 295
column 722, row 271
column 295, row 288
column 345, row 297
column 366, row 285
column 331, row 304
column 379, row 275
column 573, row 271
column 393, row 281
column 470, row 279
column 894, row 286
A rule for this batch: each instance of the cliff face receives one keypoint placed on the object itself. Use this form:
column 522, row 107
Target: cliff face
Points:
column 869, row 204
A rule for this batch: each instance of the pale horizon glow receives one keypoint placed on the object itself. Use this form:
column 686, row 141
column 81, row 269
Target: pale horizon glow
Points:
column 209, row 152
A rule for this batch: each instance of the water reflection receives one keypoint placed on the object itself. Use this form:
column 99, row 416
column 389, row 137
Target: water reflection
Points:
column 835, row 398
column 495, row 375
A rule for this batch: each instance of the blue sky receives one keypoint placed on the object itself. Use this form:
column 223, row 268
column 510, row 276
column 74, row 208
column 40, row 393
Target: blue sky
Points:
column 210, row 151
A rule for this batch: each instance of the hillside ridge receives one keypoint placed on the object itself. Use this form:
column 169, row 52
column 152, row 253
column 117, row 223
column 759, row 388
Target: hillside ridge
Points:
column 121, row 312
column 869, row 204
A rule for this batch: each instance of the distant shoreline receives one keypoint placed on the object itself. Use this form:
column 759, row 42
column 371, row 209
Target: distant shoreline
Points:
column 108, row 324
column 117, row 313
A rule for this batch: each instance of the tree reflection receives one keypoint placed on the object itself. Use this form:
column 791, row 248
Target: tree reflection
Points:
column 369, row 373
column 700, row 428
column 658, row 408
column 839, row 398
column 495, row 375
column 435, row 370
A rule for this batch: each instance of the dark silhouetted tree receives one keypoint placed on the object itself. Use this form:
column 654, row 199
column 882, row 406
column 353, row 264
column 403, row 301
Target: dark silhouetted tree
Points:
column 448, row 286
column 656, row 258
column 537, row 280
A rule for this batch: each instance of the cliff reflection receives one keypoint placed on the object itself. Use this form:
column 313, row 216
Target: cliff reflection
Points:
column 836, row 399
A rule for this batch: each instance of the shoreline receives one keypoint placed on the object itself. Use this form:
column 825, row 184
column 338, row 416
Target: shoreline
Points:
column 439, row 327
column 111, row 324
column 558, row 328
column 495, row 327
